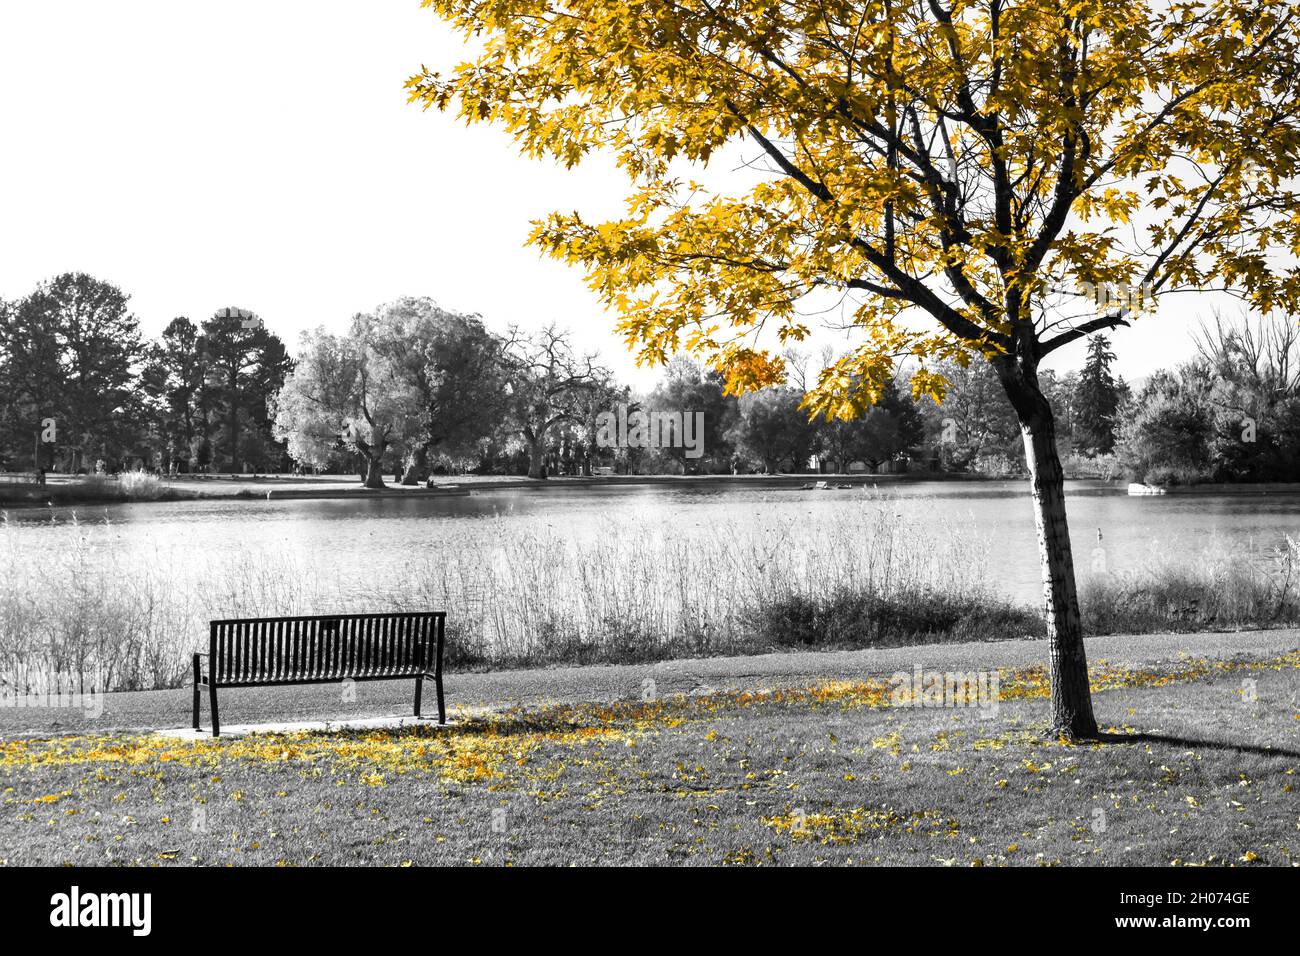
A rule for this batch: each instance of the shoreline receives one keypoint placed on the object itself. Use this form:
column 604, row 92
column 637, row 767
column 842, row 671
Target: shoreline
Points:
column 1138, row 489
column 334, row 487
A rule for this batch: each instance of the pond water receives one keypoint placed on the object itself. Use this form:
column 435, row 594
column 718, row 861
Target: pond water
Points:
column 370, row 539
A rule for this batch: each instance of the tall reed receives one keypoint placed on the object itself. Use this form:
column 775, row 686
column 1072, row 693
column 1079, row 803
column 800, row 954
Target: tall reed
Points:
column 525, row 593
column 1216, row 588
column 519, row 591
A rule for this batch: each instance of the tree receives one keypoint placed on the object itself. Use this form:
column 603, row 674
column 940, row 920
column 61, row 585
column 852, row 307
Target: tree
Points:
column 7, row 391
column 1252, row 370
column 902, row 409
column 1165, row 433
column 246, row 365
column 1258, row 355
column 454, row 364
column 344, row 396
column 946, row 163
column 583, row 433
column 548, row 384
column 687, row 388
column 974, row 423
column 73, row 347
column 879, row 434
column 174, row 378
column 1061, row 391
column 1096, row 400
column 771, row 429
column 30, row 361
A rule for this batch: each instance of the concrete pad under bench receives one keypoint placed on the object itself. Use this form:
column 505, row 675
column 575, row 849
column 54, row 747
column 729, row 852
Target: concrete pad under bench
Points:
column 306, row 726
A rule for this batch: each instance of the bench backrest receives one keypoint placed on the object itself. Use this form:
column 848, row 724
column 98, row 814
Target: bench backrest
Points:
column 325, row 648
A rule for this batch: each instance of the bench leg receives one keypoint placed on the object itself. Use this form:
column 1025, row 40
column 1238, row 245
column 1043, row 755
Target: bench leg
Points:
column 419, row 688
column 196, row 693
column 216, row 717
column 442, row 710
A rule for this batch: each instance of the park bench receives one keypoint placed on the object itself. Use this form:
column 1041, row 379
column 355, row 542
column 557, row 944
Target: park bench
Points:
column 279, row 651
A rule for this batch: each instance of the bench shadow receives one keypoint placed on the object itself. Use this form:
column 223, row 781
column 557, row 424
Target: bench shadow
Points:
column 1191, row 743
column 503, row 724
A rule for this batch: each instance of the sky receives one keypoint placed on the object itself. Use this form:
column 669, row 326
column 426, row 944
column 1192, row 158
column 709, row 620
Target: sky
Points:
column 263, row 155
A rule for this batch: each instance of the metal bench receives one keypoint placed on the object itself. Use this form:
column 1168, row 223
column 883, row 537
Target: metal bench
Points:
column 276, row 651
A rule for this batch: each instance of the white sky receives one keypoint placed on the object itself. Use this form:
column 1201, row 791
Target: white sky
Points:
column 261, row 153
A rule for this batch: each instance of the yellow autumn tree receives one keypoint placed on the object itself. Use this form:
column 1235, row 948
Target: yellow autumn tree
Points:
column 968, row 171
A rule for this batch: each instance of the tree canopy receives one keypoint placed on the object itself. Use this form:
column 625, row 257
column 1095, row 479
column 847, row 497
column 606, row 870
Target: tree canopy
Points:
column 954, row 158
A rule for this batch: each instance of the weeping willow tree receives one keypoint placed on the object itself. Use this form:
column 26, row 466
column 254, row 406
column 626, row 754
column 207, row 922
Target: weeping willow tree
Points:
column 987, row 180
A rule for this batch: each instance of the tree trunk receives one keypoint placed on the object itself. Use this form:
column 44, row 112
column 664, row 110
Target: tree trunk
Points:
column 417, row 468
column 1072, row 715
column 537, row 459
column 374, row 473
column 234, row 420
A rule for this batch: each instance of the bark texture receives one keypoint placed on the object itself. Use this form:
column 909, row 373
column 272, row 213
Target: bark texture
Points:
column 374, row 473
column 1072, row 715
column 536, row 458
column 417, row 467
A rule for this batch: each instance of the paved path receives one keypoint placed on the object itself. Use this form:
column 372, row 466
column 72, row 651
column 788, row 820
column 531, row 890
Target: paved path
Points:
column 153, row 710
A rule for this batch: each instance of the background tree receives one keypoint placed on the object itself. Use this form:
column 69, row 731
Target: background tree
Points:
column 174, row 378
column 343, row 396
column 974, row 423
column 836, row 443
column 29, row 390
column 1096, row 400
column 886, row 430
column 901, row 408
column 942, row 161
column 1250, row 374
column 245, row 365
column 1164, row 435
column 73, row 347
column 7, row 390
column 455, row 365
column 605, row 396
column 687, row 388
column 1061, row 391
column 772, row 431
column 547, row 385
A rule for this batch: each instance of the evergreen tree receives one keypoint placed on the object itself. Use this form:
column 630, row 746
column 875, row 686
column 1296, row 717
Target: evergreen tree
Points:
column 245, row 365
column 1097, row 400
column 71, row 350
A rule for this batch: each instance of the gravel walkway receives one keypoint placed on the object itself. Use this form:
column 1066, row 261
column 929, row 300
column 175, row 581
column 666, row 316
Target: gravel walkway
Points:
column 155, row 710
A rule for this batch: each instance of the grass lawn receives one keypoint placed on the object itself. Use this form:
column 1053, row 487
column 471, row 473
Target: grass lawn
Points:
column 1199, row 768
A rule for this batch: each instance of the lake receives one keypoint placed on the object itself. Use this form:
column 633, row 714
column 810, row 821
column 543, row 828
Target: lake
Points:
column 372, row 542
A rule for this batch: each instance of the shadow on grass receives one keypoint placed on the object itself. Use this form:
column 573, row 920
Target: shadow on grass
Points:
column 1189, row 743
